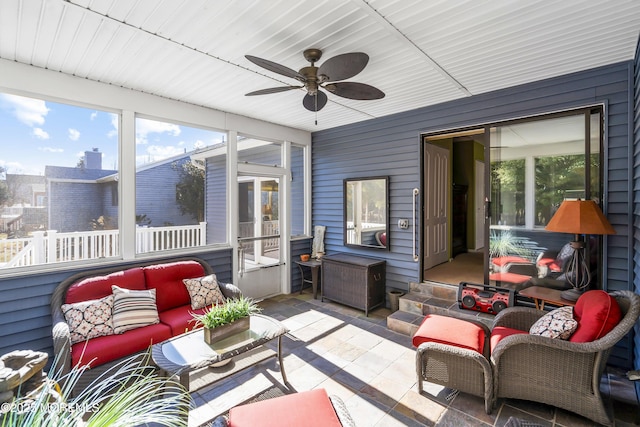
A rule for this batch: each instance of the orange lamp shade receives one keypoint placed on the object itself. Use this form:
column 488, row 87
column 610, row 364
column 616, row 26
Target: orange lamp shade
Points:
column 580, row 217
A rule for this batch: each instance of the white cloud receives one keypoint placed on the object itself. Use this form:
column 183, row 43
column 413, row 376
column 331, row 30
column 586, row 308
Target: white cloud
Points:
column 114, row 122
column 145, row 127
column 51, row 149
column 40, row 133
column 93, row 115
column 199, row 144
column 29, row 111
column 74, row 134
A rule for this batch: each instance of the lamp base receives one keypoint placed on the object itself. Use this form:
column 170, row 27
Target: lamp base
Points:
column 571, row 294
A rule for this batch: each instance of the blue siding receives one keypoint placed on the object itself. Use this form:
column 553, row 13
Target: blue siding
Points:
column 25, row 314
column 636, row 199
column 216, row 199
column 391, row 146
column 73, row 206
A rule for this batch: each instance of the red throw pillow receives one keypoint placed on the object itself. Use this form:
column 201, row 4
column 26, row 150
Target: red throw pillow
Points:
column 597, row 314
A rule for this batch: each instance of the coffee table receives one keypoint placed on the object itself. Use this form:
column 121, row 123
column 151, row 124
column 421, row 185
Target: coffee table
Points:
column 540, row 295
column 189, row 355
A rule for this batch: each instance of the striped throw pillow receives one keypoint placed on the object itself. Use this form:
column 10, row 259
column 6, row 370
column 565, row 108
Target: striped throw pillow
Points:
column 133, row 309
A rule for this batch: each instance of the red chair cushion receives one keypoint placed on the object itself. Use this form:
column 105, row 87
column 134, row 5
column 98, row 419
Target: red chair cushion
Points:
column 112, row 347
column 452, row 331
column 309, row 409
column 597, row 314
column 167, row 279
column 100, row 286
column 500, row 332
column 504, row 260
column 509, row 277
column 180, row 319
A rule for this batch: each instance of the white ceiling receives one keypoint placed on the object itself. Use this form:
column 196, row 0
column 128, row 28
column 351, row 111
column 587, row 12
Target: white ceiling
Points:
column 421, row 52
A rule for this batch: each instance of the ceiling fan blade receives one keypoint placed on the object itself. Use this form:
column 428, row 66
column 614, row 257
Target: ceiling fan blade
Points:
column 353, row 90
column 343, row 66
column 272, row 90
column 315, row 103
column 276, row 68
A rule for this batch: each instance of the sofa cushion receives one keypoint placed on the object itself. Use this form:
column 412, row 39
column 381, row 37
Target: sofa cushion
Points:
column 100, row 286
column 108, row 348
column 450, row 330
column 89, row 319
column 597, row 314
column 133, row 309
column 558, row 323
column 308, row 408
column 167, row 279
column 501, row 332
column 180, row 319
column 204, row 291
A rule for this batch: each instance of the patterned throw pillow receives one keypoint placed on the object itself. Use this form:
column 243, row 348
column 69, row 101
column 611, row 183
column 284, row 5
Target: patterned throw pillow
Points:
column 204, row 291
column 133, row 309
column 558, row 323
column 89, row 319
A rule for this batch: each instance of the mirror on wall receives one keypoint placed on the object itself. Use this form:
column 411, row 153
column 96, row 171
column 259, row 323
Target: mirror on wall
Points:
column 366, row 212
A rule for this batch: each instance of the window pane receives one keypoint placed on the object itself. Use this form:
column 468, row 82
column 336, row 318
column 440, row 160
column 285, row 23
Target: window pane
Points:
column 170, row 185
column 557, row 178
column 259, row 152
column 297, row 190
column 58, row 183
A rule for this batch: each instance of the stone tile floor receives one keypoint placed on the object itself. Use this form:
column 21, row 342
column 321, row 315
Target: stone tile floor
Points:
column 372, row 369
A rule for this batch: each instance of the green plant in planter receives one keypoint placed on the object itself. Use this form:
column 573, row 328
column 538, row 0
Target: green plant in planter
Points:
column 229, row 312
column 129, row 394
column 505, row 243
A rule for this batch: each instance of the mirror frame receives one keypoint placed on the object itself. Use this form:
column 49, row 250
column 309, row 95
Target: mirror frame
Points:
column 386, row 208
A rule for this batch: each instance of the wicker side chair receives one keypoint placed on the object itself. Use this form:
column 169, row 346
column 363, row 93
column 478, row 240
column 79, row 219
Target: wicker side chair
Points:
column 556, row 372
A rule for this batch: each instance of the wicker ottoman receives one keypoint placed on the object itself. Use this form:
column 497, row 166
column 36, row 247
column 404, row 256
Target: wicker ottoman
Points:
column 451, row 352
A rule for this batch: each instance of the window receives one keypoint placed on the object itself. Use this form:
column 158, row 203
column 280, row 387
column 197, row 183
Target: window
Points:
column 57, row 184
column 178, row 172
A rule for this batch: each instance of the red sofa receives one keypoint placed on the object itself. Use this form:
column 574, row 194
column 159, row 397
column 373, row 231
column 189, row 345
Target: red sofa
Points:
column 172, row 300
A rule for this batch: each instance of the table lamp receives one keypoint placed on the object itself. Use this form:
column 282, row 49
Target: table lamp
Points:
column 579, row 217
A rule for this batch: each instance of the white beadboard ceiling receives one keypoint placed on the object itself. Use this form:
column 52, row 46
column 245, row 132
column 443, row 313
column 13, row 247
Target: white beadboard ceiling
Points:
column 421, row 52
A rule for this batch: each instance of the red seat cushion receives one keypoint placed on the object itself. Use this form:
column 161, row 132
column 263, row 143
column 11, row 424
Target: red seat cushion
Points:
column 112, row 347
column 167, row 279
column 452, row 331
column 504, row 260
column 500, row 332
column 597, row 314
column 509, row 277
column 180, row 319
column 100, row 286
column 309, row 409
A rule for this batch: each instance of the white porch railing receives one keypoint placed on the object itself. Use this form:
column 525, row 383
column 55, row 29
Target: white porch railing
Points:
column 50, row 246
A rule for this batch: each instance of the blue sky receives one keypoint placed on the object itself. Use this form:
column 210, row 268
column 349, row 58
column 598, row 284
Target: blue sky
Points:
column 35, row 133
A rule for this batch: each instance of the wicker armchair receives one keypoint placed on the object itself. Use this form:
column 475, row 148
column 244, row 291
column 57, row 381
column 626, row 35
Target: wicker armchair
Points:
column 556, row 372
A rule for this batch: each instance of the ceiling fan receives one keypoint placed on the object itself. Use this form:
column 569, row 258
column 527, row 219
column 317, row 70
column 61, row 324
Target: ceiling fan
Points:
column 340, row 67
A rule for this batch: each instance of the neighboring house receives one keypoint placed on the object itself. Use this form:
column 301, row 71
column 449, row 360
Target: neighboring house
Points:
column 78, row 196
column 27, row 204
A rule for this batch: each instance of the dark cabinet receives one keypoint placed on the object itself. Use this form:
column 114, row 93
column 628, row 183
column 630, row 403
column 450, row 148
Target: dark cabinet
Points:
column 354, row 280
column 458, row 220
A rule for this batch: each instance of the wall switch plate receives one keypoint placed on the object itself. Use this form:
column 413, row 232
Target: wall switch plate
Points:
column 403, row 224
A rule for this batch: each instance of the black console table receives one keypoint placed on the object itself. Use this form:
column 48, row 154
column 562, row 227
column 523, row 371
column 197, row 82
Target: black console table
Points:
column 354, row 280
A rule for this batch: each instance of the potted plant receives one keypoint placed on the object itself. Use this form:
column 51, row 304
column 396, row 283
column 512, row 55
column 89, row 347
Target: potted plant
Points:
column 128, row 394
column 223, row 320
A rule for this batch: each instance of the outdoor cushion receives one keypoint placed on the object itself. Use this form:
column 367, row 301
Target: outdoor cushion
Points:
column 504, row 260
column 133, row 309
column 501, row 332
column 204, row 291
column 89, row 319
column 309, row 409
column 113, row 347
column 509, row 277
column 558, row 323
column 167, row 279
column 180, row 319
column 450, row 330
column 597, row 314
column 100, row 286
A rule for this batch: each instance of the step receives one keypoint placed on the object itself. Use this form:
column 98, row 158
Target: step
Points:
column 430, row 299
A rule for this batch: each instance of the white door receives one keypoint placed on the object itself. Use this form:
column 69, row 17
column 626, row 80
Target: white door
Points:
column 436, row 197
column 479, row 204
column 259, row 238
